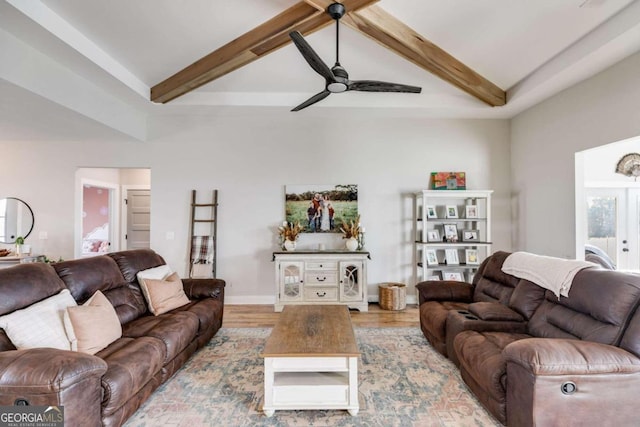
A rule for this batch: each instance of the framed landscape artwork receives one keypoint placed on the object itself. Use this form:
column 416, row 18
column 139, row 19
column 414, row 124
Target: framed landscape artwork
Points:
column 321, row 208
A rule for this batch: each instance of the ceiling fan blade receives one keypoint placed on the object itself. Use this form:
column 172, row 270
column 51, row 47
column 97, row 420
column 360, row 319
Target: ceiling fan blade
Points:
column 315, row 98
column 311, row 56
column 376, row 86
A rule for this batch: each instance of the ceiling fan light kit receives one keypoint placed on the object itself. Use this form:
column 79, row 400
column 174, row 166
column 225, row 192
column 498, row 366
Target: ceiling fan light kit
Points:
column 336, row 77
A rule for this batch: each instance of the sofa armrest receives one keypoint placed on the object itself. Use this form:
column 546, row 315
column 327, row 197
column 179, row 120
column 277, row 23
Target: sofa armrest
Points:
column 204, row 288
column 570, row 382
column 444, row 290
column 51, row 377
column 549, row 356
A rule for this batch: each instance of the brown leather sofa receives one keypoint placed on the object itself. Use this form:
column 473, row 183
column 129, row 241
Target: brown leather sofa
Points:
column 573, row 361
column 108, row 387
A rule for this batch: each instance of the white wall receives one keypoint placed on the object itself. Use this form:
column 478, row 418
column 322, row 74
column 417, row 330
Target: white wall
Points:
column 544, row 140
column 249, row 156
column 600, row 163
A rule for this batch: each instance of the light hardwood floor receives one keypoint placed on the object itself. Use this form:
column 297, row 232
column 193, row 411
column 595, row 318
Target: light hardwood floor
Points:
column 263, row 316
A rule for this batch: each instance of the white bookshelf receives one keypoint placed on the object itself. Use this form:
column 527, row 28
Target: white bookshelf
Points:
column 472, row 234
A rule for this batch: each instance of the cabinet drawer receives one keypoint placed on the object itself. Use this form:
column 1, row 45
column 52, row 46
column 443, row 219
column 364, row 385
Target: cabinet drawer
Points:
column 320, row 294
column 321, row 278
column 321, row 265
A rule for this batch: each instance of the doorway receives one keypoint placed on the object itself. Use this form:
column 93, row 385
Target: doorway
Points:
column 99, row 218
column 104, row 221
column 608, row 205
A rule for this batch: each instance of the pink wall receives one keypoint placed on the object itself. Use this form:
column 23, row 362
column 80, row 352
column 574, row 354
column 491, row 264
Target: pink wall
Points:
column 95, row 208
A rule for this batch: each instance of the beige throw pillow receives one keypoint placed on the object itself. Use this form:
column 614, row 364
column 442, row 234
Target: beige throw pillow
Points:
column 40, row 324
column 164, row 295
column 93, row 325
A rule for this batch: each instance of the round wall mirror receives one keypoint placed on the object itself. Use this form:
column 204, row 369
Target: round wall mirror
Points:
column 16, row 219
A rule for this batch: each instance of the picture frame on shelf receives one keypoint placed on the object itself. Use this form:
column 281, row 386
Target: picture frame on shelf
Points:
column 471, row 257
column 451, row 233
column 433, row 236
column 451, row 211
column 451, row 256
column 431, row 212
column 448, row 181
column 471, row 211
column 452, row 275
column 435, row 276
column 470, row 235
column 432, row 257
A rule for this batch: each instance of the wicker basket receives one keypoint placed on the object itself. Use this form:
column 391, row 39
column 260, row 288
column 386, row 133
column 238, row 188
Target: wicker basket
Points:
column 392, row 296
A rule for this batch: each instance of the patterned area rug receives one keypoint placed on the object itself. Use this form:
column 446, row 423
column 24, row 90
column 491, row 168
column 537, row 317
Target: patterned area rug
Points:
column 402, row 382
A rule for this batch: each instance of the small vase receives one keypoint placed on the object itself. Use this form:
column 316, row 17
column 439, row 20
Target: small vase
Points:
column 290, row 245
column 352, row 244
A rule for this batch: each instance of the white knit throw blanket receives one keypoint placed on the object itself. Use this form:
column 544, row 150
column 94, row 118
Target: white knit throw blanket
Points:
column 555, row 274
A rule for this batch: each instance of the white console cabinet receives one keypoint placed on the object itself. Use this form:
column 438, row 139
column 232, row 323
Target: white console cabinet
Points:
column 321, row 277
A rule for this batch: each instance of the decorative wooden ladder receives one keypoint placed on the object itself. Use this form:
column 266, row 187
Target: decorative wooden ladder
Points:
column 211, row 219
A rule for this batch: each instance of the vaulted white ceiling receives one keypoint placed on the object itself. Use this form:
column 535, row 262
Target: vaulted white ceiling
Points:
column 121, row 48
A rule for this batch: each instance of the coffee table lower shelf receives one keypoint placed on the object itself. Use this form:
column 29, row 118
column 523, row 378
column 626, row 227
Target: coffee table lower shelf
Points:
column 296, row 383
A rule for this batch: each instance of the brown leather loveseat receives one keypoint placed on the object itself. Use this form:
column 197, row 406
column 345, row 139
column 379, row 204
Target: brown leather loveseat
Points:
column 108, row 387
column 573, row 361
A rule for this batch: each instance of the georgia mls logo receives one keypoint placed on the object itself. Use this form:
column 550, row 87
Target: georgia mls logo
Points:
column 31, row 416
column 55, row 414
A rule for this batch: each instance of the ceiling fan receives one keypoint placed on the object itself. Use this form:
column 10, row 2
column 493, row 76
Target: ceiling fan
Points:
column 336, row 77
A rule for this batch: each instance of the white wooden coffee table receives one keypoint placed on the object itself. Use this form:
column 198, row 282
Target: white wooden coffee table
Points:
column 311, row 360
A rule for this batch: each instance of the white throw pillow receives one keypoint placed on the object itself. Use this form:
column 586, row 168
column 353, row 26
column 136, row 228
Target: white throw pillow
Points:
column 156, row 273
column 41, row 324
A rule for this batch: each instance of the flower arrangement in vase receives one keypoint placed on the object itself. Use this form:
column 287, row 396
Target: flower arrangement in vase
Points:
column 351, row 232
column 289, row 234
column 19, row 245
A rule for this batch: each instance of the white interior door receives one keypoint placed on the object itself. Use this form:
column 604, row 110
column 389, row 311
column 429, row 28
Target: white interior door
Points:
column 631, row 240
column 613, row 217
column 138, row 205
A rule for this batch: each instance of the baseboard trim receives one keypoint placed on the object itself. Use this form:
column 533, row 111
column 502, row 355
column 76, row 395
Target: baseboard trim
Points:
column 250, row 299
column 270, row 299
